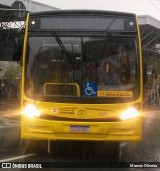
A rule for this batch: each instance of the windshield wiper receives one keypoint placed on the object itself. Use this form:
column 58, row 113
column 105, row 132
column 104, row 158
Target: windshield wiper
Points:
column 62, row 46
column 108, row 34
column 107, row 37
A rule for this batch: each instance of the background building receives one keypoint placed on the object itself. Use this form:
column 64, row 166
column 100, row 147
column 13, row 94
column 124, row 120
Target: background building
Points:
column 149, row 29
column 29, row 4
column 10, row 22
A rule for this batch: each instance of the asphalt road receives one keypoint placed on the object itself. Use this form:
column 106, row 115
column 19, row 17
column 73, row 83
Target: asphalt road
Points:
column 12, row 149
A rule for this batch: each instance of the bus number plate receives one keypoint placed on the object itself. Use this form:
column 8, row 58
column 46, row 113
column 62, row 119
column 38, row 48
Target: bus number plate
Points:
column 79, row 128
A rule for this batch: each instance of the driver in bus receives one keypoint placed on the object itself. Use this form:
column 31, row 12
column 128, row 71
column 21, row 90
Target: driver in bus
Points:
column 109, row 76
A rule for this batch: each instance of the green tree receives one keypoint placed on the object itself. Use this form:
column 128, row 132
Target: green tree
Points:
column 13, row 71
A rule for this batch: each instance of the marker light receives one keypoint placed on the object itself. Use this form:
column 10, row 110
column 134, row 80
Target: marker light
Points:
column 131, row 23
column 33, row 22
column 31, row 111
column 130, row 113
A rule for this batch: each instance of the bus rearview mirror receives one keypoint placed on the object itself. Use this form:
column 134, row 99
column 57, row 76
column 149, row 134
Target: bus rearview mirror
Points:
column 17, row 49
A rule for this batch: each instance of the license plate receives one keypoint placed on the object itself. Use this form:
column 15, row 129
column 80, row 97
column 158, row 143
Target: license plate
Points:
column 79, row 128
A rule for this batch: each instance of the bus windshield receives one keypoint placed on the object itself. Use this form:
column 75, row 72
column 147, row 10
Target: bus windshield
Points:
column 81, row 67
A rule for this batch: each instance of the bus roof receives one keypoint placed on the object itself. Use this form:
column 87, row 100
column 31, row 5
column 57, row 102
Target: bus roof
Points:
column 83, row 12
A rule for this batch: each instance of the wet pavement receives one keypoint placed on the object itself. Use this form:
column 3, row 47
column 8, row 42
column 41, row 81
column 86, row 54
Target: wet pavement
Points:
column 10, row 109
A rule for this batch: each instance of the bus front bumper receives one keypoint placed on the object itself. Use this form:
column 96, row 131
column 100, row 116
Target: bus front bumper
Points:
column 38, row 129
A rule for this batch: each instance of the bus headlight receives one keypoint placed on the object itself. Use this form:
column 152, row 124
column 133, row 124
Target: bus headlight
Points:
column 130, row 113
column 31, row 111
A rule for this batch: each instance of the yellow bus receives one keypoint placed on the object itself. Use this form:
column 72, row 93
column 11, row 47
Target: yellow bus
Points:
column 82, row 76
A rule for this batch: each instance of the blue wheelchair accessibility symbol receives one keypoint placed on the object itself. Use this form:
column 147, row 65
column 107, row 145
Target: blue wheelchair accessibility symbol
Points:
column 89, row 89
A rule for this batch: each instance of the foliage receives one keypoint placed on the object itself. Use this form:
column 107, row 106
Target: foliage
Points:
column 13, row 71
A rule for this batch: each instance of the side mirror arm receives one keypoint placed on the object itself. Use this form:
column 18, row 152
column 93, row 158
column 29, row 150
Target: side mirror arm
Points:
column 144, row 73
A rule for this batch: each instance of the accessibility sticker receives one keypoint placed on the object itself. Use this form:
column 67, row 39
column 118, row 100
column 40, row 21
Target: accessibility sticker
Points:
column 89, row 89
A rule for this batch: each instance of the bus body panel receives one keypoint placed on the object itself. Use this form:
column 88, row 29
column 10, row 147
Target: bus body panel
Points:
column 115, row 131
column 69, row 124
